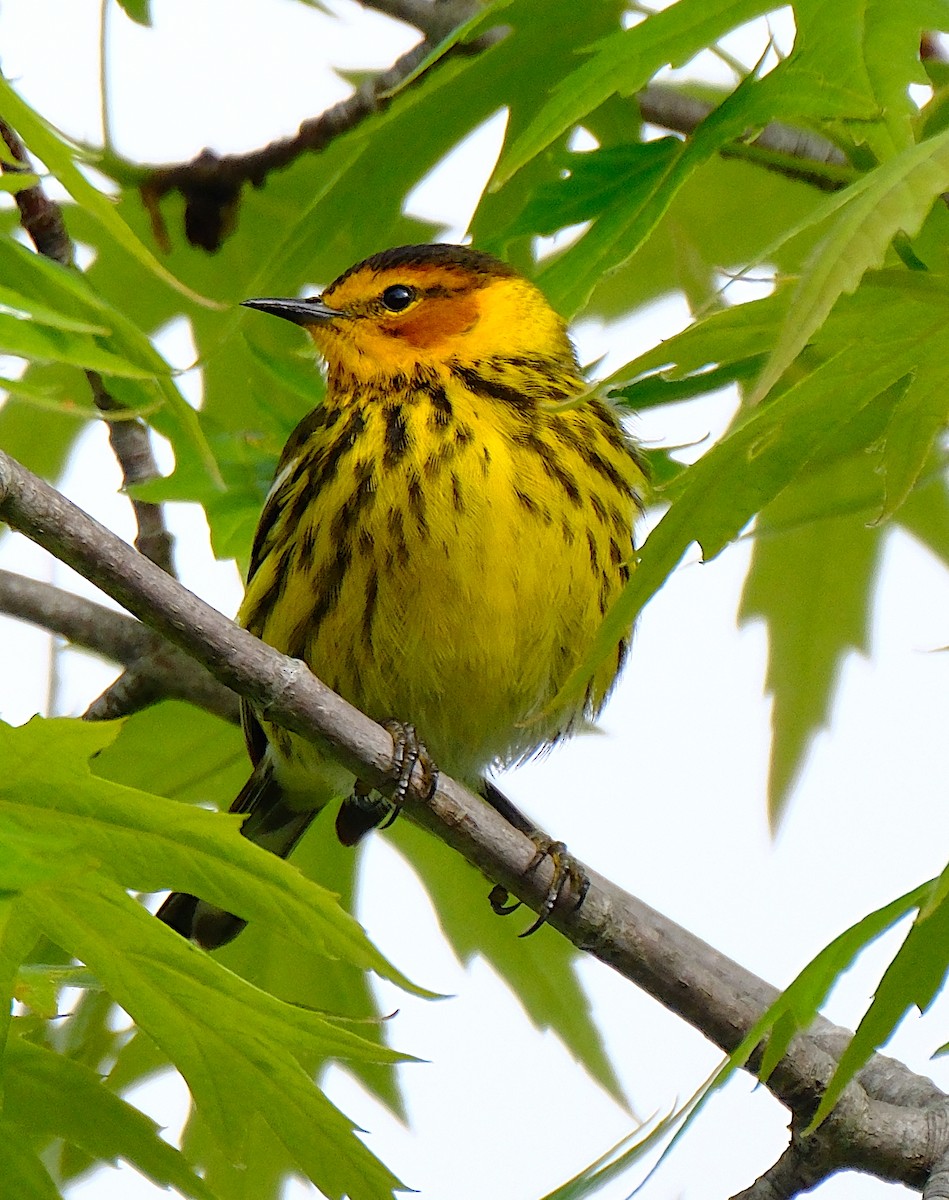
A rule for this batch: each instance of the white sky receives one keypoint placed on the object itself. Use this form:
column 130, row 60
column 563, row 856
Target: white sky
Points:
column 669, row 803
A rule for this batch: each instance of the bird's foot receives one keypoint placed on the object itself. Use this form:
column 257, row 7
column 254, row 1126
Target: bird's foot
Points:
column 366, row 808
column 407, row 751
column 568, row 879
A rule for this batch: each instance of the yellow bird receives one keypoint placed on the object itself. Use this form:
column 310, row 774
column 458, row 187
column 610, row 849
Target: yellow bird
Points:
column 443, row 536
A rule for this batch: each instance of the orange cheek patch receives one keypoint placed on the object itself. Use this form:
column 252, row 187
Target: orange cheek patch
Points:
column 436, row 320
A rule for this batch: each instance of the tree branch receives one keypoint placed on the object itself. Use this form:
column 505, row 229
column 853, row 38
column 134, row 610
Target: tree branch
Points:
column 211, row 184
column 82, row 622
column 170, row 674
column 937, row 1185
column 434, row 18
column 794, row 153
column 42, row 219
column 790, row 1175
column 716, row 995
column 132, row 448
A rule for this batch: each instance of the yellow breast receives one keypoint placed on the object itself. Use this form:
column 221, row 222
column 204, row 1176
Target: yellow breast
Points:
column 453, row 553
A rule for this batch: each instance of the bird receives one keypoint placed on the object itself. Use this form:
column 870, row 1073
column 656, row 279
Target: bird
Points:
column 444, row 534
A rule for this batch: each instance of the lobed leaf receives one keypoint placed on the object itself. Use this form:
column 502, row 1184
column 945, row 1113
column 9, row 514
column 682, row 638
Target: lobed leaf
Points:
column 814, row 624
column 237, row 1047
column 147, row 842
column 912, row 434
column 914, row 977
column 894, row 198
column 771, row 446
column 114, row 345
column 539, row 970
column 624, row 62
column 50, row 1095
column 59, row 156
column 631, row 217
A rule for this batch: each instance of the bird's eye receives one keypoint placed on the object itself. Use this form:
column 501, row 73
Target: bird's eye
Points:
column 398, row 297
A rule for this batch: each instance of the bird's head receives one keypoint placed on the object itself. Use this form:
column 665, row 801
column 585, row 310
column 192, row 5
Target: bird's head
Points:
column 426, row 306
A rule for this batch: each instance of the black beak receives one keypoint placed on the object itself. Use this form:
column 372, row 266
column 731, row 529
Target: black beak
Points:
column 300, row 312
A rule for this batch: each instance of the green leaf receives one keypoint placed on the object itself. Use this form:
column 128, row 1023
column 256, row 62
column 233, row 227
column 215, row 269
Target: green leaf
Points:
column 483, row 19
column 625, row 224
column 660, row 388
column 38, row 986
column 33, row 341
column 758, row 459
column 591, row 182
column 21, row 1170
column 917, row 421
column 330, row 985
column 261, row 1172
column 188, row 755
column 539, row 970
column 800, row 1002
column 18, row 183
column 297, row 373
column 48, row 1094
column 138, row 11
column 18, row 936
column 873, row 48
column 138, row 1058
column 173, row 749
column 45, row 455
column 797, row 1006
column 59, row 157
column 617, row 1161
column 914, row 977
column 43, row 315
column 894, row 198
column 814, row 623
column 730, row 336
column 926, row 515
column 630, row 203
column 195, row 1009
column 147, row 842
column 727, row 212
column 237, row 1047
column 624, row 62
column 874, row 340
column 122, row 352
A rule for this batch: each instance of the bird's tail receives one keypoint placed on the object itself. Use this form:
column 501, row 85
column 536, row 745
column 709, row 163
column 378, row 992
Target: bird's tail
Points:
column 273, row 824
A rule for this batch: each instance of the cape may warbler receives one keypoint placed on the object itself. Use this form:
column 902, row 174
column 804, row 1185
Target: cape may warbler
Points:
column 442, row 538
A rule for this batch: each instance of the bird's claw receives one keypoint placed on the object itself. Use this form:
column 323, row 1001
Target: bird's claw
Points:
column 366, row 808
column 407, row 751
column 568, row 878
column 500, row 900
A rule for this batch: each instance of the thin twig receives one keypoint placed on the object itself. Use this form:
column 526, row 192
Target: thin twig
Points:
column 211, row 184
column 794, row 153
column 105, row 107
column 43, row 220
column 120, row 638
column 434, row 18
column 689, row 977
column 133, row 450
column 83, row 622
